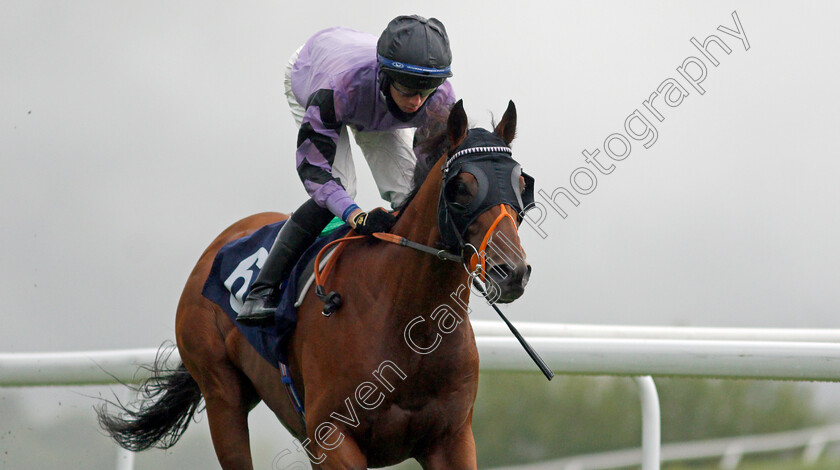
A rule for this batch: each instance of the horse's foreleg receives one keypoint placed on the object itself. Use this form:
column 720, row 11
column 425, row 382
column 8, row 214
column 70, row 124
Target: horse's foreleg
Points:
column 455, row 453
column 346, row 456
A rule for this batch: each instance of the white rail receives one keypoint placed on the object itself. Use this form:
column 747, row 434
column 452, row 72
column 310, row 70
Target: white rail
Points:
column 565, row 330
column 791, row 360
column 76, row 368
column 568, row 349
column 776, row 360
column 730, row 450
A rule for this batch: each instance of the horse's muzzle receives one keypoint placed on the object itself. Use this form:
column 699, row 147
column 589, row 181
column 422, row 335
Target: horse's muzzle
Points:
column 511, row 280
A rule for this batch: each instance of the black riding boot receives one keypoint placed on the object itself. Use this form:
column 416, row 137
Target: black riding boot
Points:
column 302, row 228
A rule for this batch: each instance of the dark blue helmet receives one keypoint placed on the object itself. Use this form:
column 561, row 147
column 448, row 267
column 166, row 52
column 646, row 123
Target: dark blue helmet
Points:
column 414, row 52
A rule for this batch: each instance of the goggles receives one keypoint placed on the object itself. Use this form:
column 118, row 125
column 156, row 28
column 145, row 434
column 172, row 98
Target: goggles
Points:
column 411, row 92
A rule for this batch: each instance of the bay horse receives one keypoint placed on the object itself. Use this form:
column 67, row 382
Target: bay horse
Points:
column 393, row 374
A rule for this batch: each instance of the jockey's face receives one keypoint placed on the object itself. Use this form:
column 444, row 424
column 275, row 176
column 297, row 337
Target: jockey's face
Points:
column 408, row 100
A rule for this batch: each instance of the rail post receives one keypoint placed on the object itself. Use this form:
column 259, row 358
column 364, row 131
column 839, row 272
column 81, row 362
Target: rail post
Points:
column 651, row 433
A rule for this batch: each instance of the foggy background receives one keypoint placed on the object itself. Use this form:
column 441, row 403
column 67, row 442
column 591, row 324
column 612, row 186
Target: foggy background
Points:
column 132, row 133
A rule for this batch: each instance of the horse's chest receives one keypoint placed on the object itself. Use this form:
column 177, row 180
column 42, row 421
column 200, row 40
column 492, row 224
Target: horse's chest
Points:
column 403, row 430
column 395, row 412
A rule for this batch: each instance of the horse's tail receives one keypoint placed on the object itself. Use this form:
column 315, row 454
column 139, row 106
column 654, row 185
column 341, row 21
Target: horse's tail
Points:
column 167, row 402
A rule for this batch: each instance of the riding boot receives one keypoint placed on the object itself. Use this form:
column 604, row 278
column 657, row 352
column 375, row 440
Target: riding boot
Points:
column 295, row 236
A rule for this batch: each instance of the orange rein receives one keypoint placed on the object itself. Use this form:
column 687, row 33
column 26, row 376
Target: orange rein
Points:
column 320, row 275
column 479, row 257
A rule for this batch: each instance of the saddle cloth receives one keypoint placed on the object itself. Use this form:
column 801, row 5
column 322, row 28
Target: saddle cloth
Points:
column 236, row 266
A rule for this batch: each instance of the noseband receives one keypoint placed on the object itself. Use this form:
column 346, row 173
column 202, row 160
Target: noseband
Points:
column 479, row 255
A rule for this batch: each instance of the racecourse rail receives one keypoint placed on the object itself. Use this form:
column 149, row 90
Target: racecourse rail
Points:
column 640, row 352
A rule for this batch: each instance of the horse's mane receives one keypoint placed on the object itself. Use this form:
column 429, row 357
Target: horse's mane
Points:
column 430, row 144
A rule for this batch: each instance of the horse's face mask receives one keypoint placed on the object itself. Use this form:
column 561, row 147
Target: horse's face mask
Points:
column 485, row 156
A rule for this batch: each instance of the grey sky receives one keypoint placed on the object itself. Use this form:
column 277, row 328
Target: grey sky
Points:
column 132, row 133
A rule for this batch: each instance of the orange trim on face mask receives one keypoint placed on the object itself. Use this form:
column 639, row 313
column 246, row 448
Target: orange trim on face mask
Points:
column 481, row 255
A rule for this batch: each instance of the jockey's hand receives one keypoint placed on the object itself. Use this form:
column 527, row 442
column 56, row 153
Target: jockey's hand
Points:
column 377, row 220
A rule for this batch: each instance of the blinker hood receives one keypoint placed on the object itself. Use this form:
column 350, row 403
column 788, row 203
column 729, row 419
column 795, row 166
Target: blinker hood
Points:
column 484, row 155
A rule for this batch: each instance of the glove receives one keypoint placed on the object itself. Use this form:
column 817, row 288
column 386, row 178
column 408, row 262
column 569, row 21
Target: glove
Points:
column 377, row 220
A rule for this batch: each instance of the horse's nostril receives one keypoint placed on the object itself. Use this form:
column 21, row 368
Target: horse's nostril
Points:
column 501, row 270
column 518, row 275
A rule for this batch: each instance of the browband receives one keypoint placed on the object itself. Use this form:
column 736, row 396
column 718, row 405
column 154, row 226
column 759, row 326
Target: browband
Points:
column 470, row 150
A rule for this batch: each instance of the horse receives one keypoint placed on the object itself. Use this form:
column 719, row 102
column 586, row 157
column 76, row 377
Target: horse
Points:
column 393, row 374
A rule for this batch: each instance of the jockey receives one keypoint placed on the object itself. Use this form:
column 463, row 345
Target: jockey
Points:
column 342, row 80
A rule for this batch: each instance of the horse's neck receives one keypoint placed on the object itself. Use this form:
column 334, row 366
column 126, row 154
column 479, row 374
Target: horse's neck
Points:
column 405, row 292
column 431, row 279
column 418, row 222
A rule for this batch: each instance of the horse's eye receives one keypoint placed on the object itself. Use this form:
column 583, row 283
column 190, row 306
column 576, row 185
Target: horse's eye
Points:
column 458, row 192
column 521, row 185
column 461, row 189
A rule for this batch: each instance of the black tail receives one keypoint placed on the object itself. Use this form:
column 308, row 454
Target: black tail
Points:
column 167, row 402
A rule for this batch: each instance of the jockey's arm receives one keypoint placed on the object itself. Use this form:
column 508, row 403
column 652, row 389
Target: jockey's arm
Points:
column 316, row 151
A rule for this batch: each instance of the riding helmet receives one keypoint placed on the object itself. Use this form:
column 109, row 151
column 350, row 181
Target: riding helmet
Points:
column 414, row 52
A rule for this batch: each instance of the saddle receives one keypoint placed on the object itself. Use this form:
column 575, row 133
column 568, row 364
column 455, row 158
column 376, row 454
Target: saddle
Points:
column 236, row 266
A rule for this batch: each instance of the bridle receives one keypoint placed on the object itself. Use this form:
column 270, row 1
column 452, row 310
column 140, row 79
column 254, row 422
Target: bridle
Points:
column 479, row 255
column 497, row 174
column 498, row 183
column 489, row 160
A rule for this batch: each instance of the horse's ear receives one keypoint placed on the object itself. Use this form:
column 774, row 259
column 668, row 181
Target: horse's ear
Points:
column 507, row 126
column 456, row 126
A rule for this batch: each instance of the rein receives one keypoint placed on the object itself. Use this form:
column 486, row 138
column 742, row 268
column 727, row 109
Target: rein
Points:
column 498, row 176
column 453, row 239
column 387, row 237
column 332, row 300
column 402, row 241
